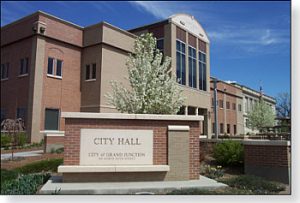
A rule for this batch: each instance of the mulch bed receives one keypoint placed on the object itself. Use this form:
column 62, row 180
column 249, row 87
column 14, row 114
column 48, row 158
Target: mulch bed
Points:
column 8, row 164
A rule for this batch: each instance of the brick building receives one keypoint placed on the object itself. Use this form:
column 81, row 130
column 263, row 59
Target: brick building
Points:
column 49, row 66
column 230, row 113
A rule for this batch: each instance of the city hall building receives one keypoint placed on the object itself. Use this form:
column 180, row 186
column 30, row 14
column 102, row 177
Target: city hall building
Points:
column 49, row 66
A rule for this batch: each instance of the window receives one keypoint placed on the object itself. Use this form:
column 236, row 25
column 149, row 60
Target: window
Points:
column 227, row 105
column 4, row 71
column 234, row 129
column 221, row 103
column 247, row 123
column 54, row 67
column 221, row 128
column 234, row 106
column 51, row 119
column 21, row 113
column 24, row 66
column 180, row 62
column 87, row 72
column 212, row 102
column 3, row 116
column 192, row 67
column 213, row 127
column 240, row 107
column 59, row 68
column 50, row 66
column 90, row 72
column 160, row 45
column 228, row 128
column 202, row 71
column 94, row 71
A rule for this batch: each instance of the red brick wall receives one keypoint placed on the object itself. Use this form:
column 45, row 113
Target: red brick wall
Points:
column 264, row 155
column 160, row 135
column 14, row 91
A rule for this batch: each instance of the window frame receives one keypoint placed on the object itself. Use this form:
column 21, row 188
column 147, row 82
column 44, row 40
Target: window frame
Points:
column 58, row 119
column 202, row 71
column 192, row 67
column 54, row 68
column 4, row 71
column 181, row 70
column 24, row 67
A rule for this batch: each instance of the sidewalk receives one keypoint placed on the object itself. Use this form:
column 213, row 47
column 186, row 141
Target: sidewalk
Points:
column 22, row 154
column 55, row 184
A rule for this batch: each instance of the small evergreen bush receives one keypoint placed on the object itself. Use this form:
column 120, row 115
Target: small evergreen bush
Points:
column 229, row 153
column 40, row 166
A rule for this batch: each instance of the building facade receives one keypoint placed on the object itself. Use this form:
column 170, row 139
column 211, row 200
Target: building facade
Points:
column 229, row 107
column 250, row 98
column 49, row 66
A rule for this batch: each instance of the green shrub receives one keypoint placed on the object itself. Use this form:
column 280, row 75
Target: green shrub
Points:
column 229, row 153
column 24, row 185
column 5, row 140
column 196, row 191
column 255, row 184
column 40, row 166
column 7, row 175
column 22, row 139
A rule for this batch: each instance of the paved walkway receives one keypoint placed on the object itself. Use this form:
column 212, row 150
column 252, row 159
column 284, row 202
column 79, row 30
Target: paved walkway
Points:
column 155, row 187
column 22, row 154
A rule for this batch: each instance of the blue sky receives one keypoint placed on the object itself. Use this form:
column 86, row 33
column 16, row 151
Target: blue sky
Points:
column 250, row 41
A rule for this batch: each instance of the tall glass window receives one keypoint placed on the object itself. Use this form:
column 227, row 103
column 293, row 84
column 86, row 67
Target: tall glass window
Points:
column 192, row 67
column 160, row 45
column 180, row 62
column 202, row 71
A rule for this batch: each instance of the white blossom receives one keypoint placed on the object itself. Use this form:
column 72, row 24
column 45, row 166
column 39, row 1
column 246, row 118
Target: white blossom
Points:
column 153, row 89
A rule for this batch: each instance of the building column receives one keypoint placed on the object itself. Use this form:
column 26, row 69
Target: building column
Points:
column 36, row 89
column 196, row 111
column 186, row 110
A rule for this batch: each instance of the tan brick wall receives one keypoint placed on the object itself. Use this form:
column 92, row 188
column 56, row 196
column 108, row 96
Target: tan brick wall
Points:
column 160, row 142
column 63, row 94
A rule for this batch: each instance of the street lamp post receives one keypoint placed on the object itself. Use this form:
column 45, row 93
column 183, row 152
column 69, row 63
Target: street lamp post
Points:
column 215, row 108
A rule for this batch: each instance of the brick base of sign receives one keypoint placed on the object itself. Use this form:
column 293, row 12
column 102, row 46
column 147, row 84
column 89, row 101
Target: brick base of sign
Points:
column 177, row 148
column 114, row 177
column 53, row 141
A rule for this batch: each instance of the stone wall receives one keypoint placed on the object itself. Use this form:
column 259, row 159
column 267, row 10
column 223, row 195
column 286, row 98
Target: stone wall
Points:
column 162, row 143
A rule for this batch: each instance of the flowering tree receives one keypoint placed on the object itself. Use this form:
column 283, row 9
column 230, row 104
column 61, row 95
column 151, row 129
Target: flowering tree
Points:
column 153, row 88
column 261, row 116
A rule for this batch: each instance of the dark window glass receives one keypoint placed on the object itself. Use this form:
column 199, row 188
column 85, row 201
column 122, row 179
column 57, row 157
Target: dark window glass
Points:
column 227, row 105
column 59, row 67
column 221, row 104
column 51, row 119
column 50, row 65
column 234, row 129
column 3, row 116
column 21, row 113
column 87, row 72
column 192, row 67
column 233, row 106
column 26, row 65
column 3, row 71
column 94, row 71
column 221, row 128
column 160, row 45
column 240, row 107
column 180, row 62
column 228, row 128
column 213, row 127
column 22, row 66
column 202, row 71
